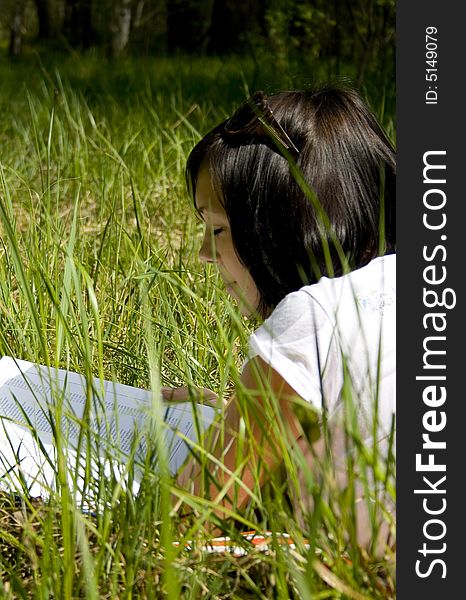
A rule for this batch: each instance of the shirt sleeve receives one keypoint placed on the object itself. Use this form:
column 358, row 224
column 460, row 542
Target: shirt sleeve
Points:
column 296, row 341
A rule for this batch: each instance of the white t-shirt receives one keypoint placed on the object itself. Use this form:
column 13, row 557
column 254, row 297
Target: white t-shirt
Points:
column 314, row 332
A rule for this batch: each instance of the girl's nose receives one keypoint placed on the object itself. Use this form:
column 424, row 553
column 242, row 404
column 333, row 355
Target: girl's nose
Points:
column 207, row 251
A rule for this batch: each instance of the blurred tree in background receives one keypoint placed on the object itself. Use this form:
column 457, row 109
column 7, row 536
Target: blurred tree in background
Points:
column 360, row 32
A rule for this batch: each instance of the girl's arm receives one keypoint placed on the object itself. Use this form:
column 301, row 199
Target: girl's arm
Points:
column 273, row 427
column 268, row 422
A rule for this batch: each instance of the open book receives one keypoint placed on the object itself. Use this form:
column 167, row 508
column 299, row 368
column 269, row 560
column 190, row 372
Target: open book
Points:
column 111, row 422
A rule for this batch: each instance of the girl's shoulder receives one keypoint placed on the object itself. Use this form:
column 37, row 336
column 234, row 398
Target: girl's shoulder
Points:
column 363, row 298
column 380, row 272
column 330, row 295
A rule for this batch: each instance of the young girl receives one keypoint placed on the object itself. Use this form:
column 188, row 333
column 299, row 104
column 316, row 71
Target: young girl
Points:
column 297, row 193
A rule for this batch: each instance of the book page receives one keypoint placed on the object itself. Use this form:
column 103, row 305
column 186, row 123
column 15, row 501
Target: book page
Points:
column 114, row 418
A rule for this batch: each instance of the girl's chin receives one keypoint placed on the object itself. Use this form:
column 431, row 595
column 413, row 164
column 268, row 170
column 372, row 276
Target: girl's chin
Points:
column 246, row 307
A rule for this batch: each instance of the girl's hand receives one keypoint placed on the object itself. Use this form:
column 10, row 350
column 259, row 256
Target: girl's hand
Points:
column 185, row 394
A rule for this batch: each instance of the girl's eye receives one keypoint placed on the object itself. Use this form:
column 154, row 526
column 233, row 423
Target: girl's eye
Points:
column 218, row 230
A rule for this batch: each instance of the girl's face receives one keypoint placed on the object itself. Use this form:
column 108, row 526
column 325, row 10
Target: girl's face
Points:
column 217, row 246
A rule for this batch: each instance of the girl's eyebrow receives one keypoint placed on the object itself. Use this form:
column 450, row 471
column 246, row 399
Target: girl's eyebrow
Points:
column 200, row 213
column 205, row 209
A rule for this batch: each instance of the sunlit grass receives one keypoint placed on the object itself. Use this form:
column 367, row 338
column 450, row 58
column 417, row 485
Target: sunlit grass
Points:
column 99, row 274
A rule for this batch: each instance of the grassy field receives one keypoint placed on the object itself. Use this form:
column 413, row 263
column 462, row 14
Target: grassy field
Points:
column 99, row 274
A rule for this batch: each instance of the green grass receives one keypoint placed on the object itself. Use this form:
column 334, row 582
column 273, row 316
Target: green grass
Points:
column 99, row 274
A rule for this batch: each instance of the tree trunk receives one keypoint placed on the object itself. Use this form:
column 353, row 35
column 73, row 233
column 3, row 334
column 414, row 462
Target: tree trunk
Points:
column 16, row 33
column 43, row 16
column 138, row 14
column 236, row 26
column 188, row 23
column 121, row 27
column 78, row 23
